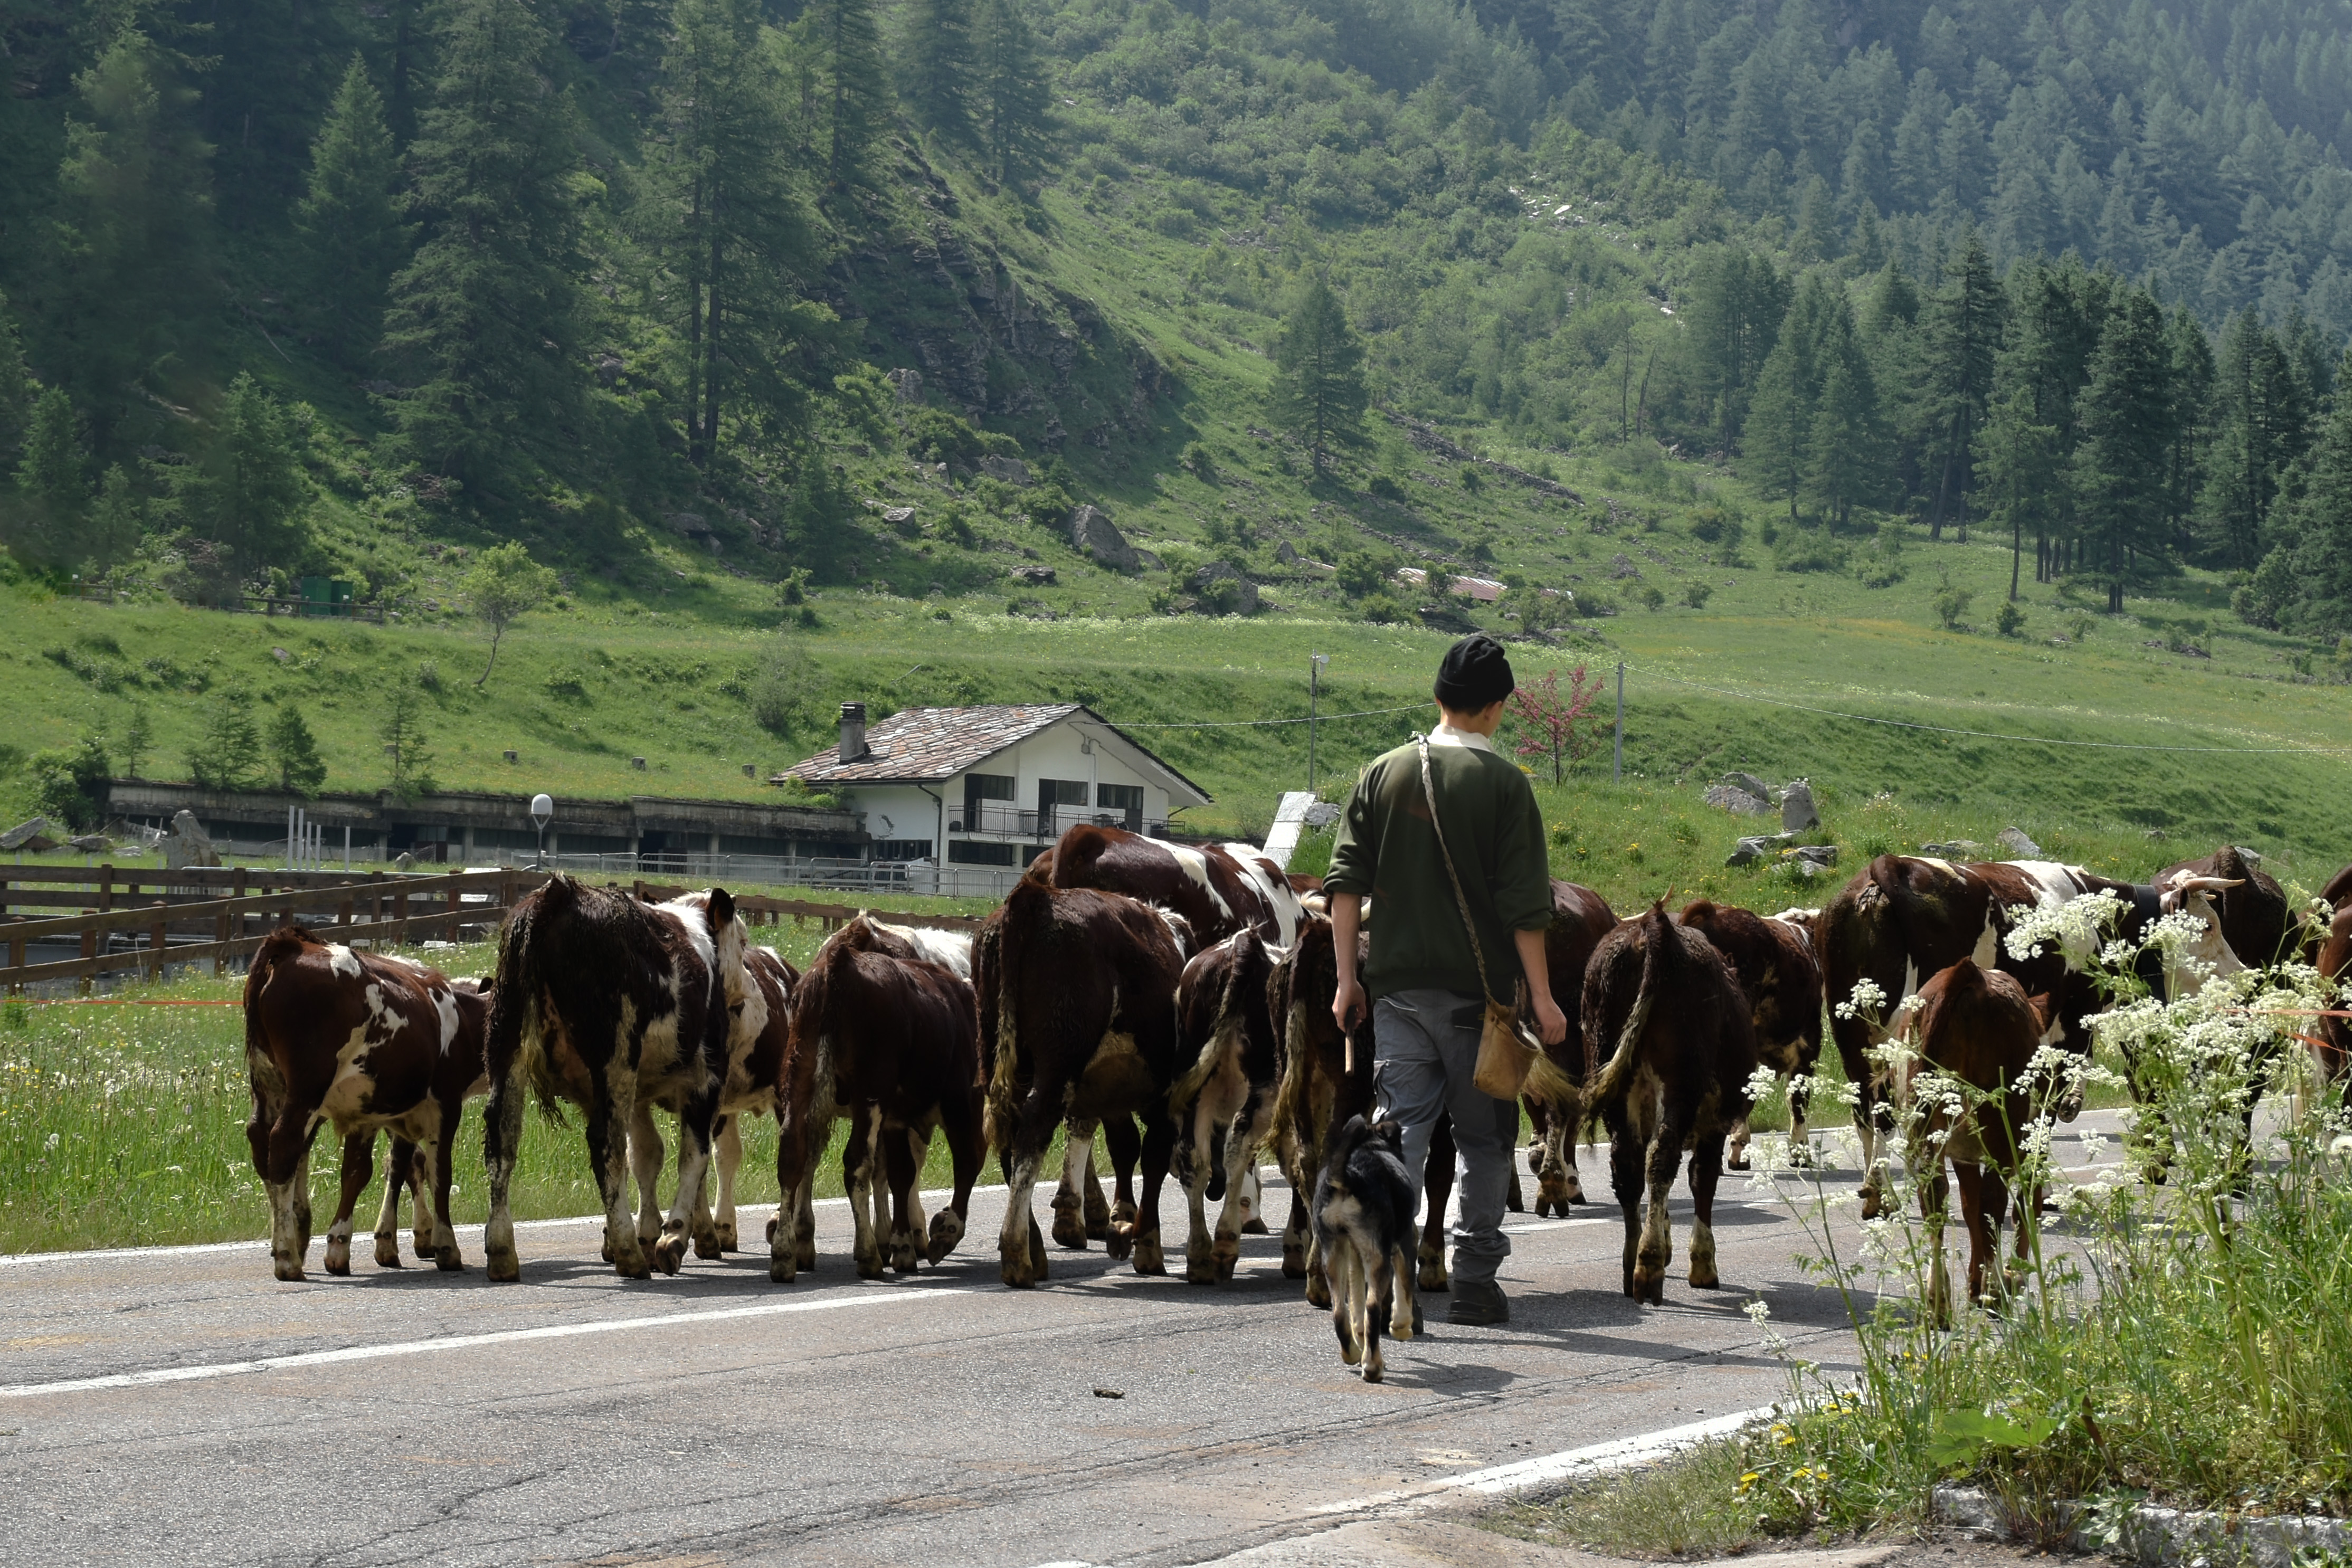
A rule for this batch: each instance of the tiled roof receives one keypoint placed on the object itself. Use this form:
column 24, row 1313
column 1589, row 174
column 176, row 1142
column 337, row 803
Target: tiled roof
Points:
column 933, row 743
column 930, row 745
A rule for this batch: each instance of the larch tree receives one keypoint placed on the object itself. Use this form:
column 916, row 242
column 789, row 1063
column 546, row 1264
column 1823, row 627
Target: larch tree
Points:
column 349, row 219
column 485, row 315
column 2125, row 413
column 1846, row 461
column 1963, row 336
column 1318, row 391
column 936, row 66
column 1010, row 100
column 729, row 223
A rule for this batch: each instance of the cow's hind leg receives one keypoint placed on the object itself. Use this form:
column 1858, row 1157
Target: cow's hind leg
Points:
column 1159, row 1142
column 728, row 1138
column 967, row 1147
column 1077, row 1195
column 286, row 1175
column 646, row 1156
column 501, row 1133
column 1203, row 1156
column 420, row 1184
column 1706, row 1171
column 1437, row 1179
column 906, row 1165
column 1021, row 1251
column 359, row 1169
column 610, row 1113
column 1557, row 1183
column 860, row 1163
column 439, row 1156
column 1657, row 1227
column 1245, row 1197
column 1626, row 1154
column 398, row 1175
column 1296, row 1236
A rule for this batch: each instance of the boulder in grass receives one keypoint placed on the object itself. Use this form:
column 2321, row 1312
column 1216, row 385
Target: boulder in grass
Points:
column 1093, row 533
column 2014, row 840
column 1761, row 846
column 24, row 833
column 1797, row 810
column 1740, row 803
column 1750, row 782
column 1813, row 859
column 188, row 844
column 1222, row 580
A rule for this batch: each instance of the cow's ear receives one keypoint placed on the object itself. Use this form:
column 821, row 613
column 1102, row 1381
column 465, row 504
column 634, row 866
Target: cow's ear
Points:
column 722, row 907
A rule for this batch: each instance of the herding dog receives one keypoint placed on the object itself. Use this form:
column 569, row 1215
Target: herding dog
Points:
column 1364, row 1207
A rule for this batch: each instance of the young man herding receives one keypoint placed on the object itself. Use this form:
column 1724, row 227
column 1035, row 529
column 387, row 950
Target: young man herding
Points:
column 1422, row 978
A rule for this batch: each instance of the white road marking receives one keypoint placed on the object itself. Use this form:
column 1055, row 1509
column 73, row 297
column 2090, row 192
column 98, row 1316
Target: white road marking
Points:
column 1598, row 1458
column 469, row 1342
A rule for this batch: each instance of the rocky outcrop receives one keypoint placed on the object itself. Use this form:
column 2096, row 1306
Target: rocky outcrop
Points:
column 1094, row 536
column 1797, row 810
column 188, row 844
column 1222, row 585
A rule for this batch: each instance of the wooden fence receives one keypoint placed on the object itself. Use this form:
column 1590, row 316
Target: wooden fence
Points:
column 224, row 913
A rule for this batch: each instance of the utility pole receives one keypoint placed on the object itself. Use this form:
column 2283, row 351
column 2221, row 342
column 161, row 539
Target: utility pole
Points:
column 1315, row 662
column 1618, row 776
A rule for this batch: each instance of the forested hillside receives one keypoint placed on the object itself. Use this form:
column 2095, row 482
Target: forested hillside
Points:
column 878, row 294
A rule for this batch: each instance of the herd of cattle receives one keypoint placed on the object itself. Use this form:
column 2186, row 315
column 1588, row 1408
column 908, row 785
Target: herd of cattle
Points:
column 1176, row 1002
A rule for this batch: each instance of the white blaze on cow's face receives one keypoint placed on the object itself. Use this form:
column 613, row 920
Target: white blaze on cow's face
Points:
column 2207, row 956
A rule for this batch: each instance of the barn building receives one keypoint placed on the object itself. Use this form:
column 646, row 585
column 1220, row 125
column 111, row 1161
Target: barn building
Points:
column 994, row 784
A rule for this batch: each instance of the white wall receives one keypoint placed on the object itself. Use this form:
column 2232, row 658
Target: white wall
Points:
column 1056, row 753
column 911, row 814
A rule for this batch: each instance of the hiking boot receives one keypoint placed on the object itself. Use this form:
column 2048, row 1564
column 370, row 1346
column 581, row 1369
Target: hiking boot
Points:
column 1477, row 1303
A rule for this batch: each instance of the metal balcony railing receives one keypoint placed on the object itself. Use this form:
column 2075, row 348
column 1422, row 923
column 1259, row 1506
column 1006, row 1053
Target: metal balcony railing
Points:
column 1004, row 818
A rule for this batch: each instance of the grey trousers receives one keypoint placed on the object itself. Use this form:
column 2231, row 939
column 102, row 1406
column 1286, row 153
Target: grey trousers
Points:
column 1425, row 1048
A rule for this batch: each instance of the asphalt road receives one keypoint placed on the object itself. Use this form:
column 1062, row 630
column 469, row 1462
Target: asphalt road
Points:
column 181, row 1406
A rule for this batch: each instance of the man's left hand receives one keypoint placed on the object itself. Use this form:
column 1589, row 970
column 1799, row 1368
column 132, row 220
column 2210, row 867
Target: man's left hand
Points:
column 1551, row 1024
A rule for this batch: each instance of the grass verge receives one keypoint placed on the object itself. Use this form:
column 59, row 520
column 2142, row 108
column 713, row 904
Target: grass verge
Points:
column 1688, row 1506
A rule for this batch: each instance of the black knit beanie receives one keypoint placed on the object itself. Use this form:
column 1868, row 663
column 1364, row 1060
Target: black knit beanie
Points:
column 1476, row 672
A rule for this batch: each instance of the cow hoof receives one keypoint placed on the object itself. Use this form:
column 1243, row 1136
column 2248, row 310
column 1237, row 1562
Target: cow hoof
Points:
column 1318, row 1293
column 1648, row 1285
column 805, row 1252
column 1737, row 1160
column 903, row 1256
column 706, row 1245
column 1225, row 1254
column 1149, row 1258
column 1543, row 1207
column 449, row 1260
column 1374, row 1371
column 1703, row 1276
column 302, row 1224
column 1254, row 1226
column 290, row 1271
column 1119, row 1243
column 1199, row 1268
column 947, row 1230
column 1293, row 1263
column 1575, row 1193
column 726, row 1235
column 608, row 1249
column 1099, row 1218
column 1070, row 1230
column 1513, row 1201
column 338, row 1258
column 387, row 1251
column 1432, row 1276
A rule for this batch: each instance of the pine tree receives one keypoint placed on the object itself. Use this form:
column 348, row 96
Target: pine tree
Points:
column 116, row 520
column 2261, row 424
column 227, row 757
column 2322, row 576
column 349, row 219
column 1846, row 460
column 1779, row 427
column 136, row 187
column 1010, row 94
column 1963, row 334
column 936, row 64
column 1736, row 301
column 845, row 92
column 2193, row 375
column 729, row 224
column 250, row 490
column 294, row 752
column 485, row 316
column 17, row 388
column 2125, row 413
column 1319, row 391
column 52, row 484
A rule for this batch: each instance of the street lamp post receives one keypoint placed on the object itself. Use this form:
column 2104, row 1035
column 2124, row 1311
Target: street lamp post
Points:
column 1315, row 662
column 542, row 811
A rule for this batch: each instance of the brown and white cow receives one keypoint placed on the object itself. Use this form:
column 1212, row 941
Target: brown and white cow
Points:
column 1772, row 956
column 1580, row 919
column 1218, row 889
column 606, row 1002
column 1229, row 1055
column 2251, row 907
column 2329, row 950
column 1683, row 1048
column 755, row 1055
column 1977, row 1025
column 1327, row 1078
column 366, row 1044
column 890, row 1041
column 1076, row 992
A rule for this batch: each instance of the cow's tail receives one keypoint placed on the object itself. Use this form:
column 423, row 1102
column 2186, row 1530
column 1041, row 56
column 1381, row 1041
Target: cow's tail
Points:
column 1030, row 903
column 1232, row 1002
column 1550, row 1083
column 1657, row 934
column 282, row 946
column 514, row 1049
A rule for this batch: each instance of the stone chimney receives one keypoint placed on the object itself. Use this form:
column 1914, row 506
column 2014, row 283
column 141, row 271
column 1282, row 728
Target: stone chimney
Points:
column 853, row 732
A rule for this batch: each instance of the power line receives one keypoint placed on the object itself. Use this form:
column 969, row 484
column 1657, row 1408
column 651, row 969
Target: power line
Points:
column 1986, row 733
column 1260, row 722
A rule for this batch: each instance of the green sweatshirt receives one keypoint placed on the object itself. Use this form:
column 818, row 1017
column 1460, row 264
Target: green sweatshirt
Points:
column 1385, row 849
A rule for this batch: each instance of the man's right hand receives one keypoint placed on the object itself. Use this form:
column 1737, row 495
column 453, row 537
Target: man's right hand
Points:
column 1348, row 1004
